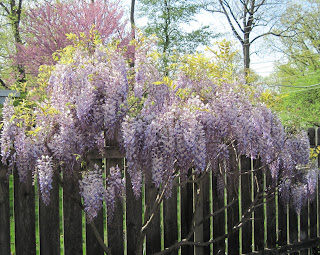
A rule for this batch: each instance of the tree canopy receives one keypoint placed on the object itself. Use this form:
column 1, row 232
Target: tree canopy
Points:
column 165, row 18
column 298, row 74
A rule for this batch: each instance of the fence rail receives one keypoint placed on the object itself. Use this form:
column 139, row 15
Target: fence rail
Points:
column 183, row 221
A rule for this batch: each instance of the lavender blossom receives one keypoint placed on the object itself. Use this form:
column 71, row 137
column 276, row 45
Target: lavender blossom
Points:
column 45, row 173
column 92, row 192
column 115, row 188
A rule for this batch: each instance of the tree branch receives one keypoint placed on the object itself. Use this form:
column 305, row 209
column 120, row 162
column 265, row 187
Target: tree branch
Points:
column 5, row 8
column 99, row 238
column 3, row 83
column 230, row 23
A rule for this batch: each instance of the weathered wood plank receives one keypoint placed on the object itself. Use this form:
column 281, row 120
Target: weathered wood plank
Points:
column 282, row 222
column 153, row 232
column 246, row 201
column 258, row 211
column 186, row 211
column 133, row 220
column 72, row 214
column 271, row 213
column 92, row 245
column 313, row 219
column 24, row 211
column 233, row 210
column 4, row 211
column 115, row 221
column 198, row 205
column 293, row 226
column 170, row 220
column 49, row 222
column 219, row 218
column 206, row 211
column 304, row 228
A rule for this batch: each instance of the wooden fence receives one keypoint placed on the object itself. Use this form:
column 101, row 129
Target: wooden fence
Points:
column 27, row 226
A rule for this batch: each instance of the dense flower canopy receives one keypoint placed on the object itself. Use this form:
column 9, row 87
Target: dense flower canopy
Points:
column 164, row 126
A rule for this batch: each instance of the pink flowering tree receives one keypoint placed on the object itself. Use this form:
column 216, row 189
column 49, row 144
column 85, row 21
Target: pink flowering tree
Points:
column 165, row 127
column 45, row 27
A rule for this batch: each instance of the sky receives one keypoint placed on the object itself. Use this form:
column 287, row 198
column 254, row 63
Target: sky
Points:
column 262, row 62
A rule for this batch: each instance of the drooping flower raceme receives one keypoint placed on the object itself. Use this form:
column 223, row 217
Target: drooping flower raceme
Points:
column 44, row 172
column 92, row 191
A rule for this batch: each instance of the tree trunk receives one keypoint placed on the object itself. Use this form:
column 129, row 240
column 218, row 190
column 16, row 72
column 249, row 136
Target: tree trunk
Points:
column 15, row 23
column 246, row 53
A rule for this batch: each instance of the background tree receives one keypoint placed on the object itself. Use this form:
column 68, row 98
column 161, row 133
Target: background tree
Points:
column 46, row 25
column 298, row 74
column 11, row 13
column 165, row 19
column 249, row 21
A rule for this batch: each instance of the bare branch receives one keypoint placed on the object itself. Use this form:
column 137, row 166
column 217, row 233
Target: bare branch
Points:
column 230, row 22
column 2, row 83
column 5, row 8
column 99, row 238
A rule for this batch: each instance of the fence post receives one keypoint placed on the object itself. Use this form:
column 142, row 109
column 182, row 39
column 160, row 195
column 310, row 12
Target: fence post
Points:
column 4, row 211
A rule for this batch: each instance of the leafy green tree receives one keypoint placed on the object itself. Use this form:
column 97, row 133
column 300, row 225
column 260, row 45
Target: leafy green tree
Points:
column 249, row 21
column 165, row 19
column 298, row 75
column 11, row 13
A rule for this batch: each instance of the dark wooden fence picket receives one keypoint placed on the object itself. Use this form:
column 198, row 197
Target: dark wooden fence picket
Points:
column 219, row 219
column 72, row 215
column 170, row 219
column 271, row 217
column 24, row 212
column 258, row 211
column 153, row 237
column 313, row 211
column 246, row 190
column 186, row 212
column 92, row 245
column 4, row 211
column 133, row 216
column 115, row 221
column 273, row 226
column 233, row 210
column 49, row 222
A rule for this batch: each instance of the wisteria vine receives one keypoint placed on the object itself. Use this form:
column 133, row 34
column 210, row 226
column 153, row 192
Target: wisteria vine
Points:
column 165, row 127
